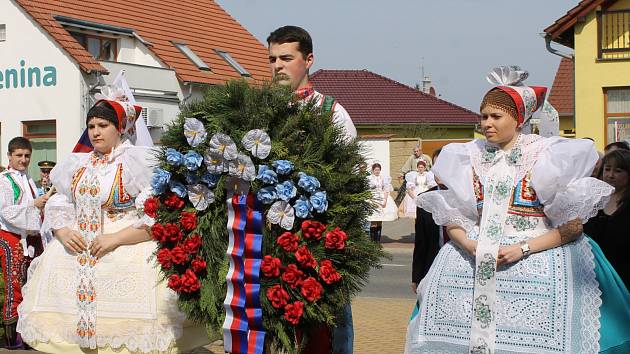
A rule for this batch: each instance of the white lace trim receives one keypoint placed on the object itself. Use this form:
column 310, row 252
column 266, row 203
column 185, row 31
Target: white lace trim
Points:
column 581, row 198
column 444, row 207
column 591, row 297
column 531, row 146
column 145, row 194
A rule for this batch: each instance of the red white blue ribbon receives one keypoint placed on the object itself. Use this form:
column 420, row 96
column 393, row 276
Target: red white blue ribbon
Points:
column 243, row 331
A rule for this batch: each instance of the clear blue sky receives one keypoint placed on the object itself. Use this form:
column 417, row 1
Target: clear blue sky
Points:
column 460, row 40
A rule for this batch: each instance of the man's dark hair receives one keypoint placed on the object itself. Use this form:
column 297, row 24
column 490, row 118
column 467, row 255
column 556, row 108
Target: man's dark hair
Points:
column 622, row 145
column 290, row 34
column 19, row 143
column 436, row 152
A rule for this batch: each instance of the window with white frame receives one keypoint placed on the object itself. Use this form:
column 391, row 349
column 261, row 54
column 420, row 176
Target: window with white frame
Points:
column 3, row 32
column 617, row 114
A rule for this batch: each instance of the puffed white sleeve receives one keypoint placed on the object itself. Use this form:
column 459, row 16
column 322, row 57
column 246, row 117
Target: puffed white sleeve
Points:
column 457, row 205
column 138, row 164
column 561, row 179
column 387, row 184
column 60, row 211
column 24, row 216
column 342, row 118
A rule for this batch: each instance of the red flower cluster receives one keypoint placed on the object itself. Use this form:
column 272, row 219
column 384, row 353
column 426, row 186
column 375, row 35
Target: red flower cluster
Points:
column 151, row 207
column 288, row 241
column 311, row 289
column 188, row 221
column 336, row 239
column 173, row 201
column 293, row 276
column 280, row 299
column 166, row 233
column 270, row 267
column 192, row 244
column 305, row 258
column 328, row 273
column 293, row 312
column 186, row 283
column 313, row 230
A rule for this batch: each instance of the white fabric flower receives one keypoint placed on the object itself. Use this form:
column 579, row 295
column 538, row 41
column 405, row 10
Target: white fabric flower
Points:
column 200, row 196
column 223, row 145
column 194, row 131
column 243, row 167
column 257, row 141
column 281, row 213
column 111, row 93
column 235, row 185
column 215, row 163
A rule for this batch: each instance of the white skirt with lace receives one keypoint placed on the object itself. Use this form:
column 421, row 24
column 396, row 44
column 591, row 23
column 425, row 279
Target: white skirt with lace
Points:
column 136, row 312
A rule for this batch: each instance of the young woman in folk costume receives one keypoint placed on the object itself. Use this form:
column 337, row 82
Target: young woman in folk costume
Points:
column 95, row 288
column 385, row 207
column 417, row 182
column 519, row 276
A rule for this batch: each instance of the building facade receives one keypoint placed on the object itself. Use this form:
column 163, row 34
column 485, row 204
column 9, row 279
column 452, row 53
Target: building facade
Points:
column 56, row 54
column 598, row 31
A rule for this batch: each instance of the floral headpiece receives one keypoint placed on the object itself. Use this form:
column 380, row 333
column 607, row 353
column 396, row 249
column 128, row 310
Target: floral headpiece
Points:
column 119, row 97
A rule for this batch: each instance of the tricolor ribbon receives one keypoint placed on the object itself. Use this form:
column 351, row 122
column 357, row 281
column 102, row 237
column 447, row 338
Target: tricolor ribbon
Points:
column 243, row 331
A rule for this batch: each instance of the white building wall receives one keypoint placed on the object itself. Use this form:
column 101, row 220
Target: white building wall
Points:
column 130, row 50
column 29, row 46
column 377, row 150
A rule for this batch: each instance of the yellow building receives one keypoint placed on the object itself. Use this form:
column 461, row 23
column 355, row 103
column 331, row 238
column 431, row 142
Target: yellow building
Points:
column 599, row 33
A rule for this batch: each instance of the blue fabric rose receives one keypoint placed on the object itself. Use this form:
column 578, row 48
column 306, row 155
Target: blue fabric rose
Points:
column 283, row 167
column 192, row 160
column 319, row 202
column 178, row 188
column 192, row 178
column 159, row 180
column 210, row 179
column 174, row 157
column 267, row 195
column 266, row 175
column 302, row 208
column 308, row 183
column 286, row 190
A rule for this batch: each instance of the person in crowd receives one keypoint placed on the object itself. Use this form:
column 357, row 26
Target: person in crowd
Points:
column 410, row 165
column 417, row 182
column 290, row 59
column 381, row 187
column 20, row 221
column 618, row 145
column 44, row 174
column 519, row 275
column 96, row 288
column 611, row 224
column 429, row 236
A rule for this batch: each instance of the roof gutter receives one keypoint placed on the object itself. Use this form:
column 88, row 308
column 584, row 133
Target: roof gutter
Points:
column 551, row 50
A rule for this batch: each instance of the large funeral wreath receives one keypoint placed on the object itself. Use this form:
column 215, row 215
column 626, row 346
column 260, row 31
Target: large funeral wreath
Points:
column 301, row 172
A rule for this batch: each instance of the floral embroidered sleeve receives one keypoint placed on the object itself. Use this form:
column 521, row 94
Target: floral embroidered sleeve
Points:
column 561, row 178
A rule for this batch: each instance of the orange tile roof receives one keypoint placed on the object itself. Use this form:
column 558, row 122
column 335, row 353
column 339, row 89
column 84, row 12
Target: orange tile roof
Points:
column 561, row 30
column 201, row 24
column 562, row 92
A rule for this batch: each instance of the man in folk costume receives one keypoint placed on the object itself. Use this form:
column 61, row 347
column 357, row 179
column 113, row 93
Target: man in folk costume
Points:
column 290, row 58
column 20, row 220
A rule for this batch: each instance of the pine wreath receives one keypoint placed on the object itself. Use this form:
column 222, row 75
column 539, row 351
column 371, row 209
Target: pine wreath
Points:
column 311, row 268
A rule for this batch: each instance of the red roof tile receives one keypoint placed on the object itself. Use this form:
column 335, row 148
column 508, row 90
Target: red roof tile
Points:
column 370, row 98
column 201, row 24
column 562, row 92
column 561, row 30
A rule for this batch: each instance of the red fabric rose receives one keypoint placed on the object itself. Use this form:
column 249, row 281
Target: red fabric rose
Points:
column 188, row 221
column 278, row 296
column 312, row 289
column 192, row 244
column 313, row 229
column 151, row 206
column 292, row 276
column 158, row 232
column 293, row 312
column 288, row 241
column 173, row 233
column 190, row 282
column 175, row 282
column 305, row 258
column 178, row 255
column 270, row 266
column 173, row 201
column 336, row 239
column 198, row 265
column 165, row 258
column 328, row 273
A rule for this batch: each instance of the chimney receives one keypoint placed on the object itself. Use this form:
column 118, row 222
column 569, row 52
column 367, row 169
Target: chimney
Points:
column 426, row 85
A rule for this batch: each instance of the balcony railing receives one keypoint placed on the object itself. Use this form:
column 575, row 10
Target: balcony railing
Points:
column 613, row 34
